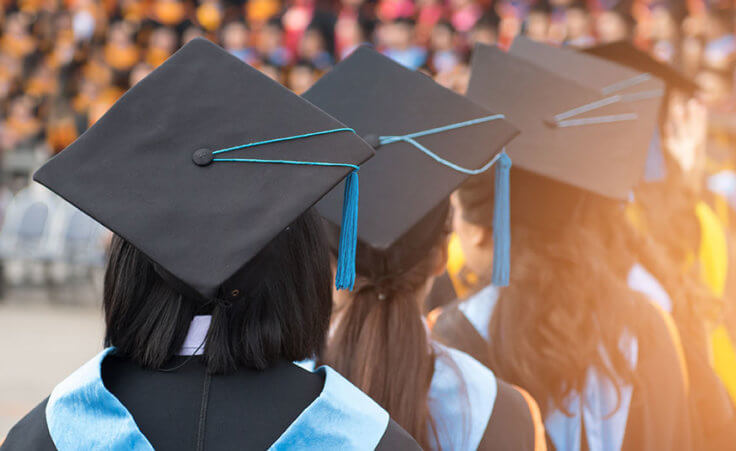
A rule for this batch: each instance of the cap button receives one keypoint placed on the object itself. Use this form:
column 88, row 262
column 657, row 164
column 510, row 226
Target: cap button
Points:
column 202, row 157
column 373, row 140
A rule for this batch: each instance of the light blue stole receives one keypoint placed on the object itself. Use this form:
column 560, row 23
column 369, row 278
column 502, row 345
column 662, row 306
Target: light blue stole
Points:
column 82, row 414
column 462, row 395
column 642, row 281
column 604, row 427
column 461, row 398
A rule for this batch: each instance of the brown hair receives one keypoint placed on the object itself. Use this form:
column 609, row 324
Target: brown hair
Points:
column 670, row 232
column 565, row 301
column 380, row 342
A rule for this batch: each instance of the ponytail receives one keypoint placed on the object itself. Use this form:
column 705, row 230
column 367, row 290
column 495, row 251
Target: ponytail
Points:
column 381, row 345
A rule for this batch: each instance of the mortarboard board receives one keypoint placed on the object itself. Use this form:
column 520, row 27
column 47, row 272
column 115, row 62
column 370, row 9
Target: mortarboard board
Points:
column 202, row 164
column 427, row 138
column 625, row 54
column 585, row 122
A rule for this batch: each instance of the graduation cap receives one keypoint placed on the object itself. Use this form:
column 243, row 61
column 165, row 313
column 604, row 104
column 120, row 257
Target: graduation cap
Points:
column 428, row 140
column 625, row 54
column 202, row 164
column 585, row 122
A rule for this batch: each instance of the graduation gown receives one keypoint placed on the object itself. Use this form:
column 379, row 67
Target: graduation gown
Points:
column 472, row 410
column 652, row 416
column 111, row 403
column 711, row 409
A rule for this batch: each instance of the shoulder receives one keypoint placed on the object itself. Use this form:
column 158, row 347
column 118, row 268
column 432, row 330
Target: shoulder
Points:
column 641, row 280
column 396, row 438
column 31, row 432
column 461, row 398
column 660, row 345
column 451, row 325
column 516, row 422
column 342, row 417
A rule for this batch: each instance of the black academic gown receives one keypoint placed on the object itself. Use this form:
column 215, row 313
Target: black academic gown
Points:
column 713, row 416
column 189, row 409
column 659, row 416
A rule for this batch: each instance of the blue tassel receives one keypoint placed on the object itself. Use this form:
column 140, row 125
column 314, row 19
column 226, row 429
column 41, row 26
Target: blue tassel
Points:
column 501, row 223
column 345, row 274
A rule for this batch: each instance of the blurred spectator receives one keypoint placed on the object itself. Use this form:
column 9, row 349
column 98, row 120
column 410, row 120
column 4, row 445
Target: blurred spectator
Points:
column 611, row 26
column 579, row 28
column 236, row 39
column 312, row 49
column 271, row 44
column 301, row 76
column 485, row 31
column 537, row 25
column 443, row 46
column 162, row 44
column 465, row 13
column 397, row 39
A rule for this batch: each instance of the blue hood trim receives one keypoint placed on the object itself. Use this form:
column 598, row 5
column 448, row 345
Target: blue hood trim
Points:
column 342, row 417
column 82, row 414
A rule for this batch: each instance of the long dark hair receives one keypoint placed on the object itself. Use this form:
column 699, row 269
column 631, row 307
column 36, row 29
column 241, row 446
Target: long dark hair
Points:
column 567, row 295
column 563, row 303
column 283, row 315
column 380, row 342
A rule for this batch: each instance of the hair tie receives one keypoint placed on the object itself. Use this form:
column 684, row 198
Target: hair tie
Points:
column 222, row 303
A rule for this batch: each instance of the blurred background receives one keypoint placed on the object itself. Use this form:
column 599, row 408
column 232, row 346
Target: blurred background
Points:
column 63, row 63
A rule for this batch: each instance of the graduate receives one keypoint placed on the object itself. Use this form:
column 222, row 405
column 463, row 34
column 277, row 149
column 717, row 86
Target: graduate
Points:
column 428, row 140
column 658, row 270
column 600, row 361
column 218, row 275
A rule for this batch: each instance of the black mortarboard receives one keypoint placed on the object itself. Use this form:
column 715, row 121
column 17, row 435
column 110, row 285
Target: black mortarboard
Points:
column 625, row 54
column 406, row 186
column 150, row 169
column 585, row 122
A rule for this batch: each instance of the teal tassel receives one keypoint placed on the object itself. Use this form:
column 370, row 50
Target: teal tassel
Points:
column 345, row 274
column 501, row 223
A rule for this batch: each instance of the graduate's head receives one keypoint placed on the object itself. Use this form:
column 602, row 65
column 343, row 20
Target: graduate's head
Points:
column 213, row 209
column 425, row 136
column 281, row 312
column 407, row 269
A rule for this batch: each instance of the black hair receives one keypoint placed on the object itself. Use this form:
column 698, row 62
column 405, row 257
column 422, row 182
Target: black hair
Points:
column 275, row 22
column 408, row 21
column 446, row 24
column 304, row 63
column 284, row 313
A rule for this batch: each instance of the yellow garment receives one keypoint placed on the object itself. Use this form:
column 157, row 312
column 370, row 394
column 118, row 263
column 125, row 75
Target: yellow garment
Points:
column 714, row 268
column 634, row 216
column 463, row 280
column 724, row 359
column 713, row 252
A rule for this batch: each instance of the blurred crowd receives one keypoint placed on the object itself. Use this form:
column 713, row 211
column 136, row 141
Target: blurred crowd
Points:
column 64, row 62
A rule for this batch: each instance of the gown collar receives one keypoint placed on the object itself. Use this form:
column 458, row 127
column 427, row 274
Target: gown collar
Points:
column 605, row 426
column 82, row 414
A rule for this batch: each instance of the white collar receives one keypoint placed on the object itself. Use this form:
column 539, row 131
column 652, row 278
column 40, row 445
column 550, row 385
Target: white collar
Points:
column 196, row 335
